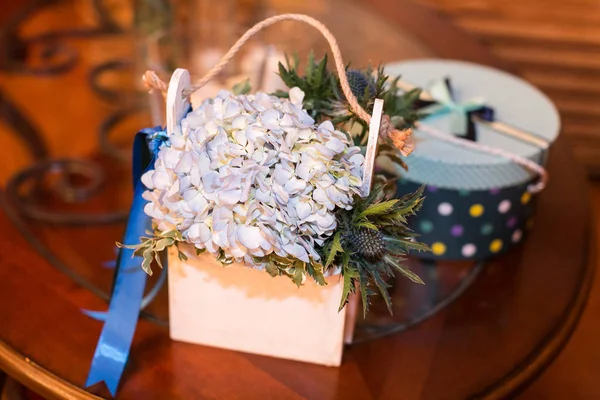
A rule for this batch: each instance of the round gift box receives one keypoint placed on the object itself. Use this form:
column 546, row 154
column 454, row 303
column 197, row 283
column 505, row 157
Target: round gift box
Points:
column 477, row 204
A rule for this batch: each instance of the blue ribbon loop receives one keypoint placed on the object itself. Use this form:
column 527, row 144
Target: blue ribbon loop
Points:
column 115, row 340
column 441, row 93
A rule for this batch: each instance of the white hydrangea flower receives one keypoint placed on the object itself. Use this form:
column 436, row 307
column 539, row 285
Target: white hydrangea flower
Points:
column 252, row 175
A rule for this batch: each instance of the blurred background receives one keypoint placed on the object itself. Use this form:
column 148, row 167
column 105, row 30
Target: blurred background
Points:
column 554, row 45
column 70, row 80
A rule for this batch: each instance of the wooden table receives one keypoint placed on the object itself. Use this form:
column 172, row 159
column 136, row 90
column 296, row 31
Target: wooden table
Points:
column 489, row 343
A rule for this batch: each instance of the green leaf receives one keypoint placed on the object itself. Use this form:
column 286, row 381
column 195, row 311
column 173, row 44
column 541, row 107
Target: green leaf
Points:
column 242, row 87
column 336, row 247
column 161, row 244
column 364, row 294
column 315, row 270
column 128, row 246
column 174, row 234
column 410, row 275
column 157, row 257
column 379, row 208
column 139, row 251
column 298, row 275
column 282, row 94
column 383, row 289
column 272, row 269
column 223, row 259
column 406, row 244
column 147, row 261
column 335, row 87
column 200, row 251
column 287, row 60
column 410, row 97
column 182, row 256
column 404, row 271
column 366, row 224
column 310, row 68
column 285, row 76
column 296, row 61
column 350, row 275
column 321, row 71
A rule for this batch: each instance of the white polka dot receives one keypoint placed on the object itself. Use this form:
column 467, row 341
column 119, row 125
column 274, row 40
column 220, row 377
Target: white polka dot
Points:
column 445, row 209
column 504, row 206
column 517, row 235
column 469, row 250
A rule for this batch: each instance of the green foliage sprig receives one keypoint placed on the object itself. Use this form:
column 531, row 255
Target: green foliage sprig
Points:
column 317, row 83
column 296, row 269
column 325, row 100
column 371, row 243
column 151, row 247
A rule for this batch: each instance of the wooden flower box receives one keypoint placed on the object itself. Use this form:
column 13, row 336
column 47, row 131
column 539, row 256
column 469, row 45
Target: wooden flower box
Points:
column 244, row 309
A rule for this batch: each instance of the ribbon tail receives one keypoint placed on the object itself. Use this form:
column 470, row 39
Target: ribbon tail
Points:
column 115, row 340
column 149, row 298
column 112, row 350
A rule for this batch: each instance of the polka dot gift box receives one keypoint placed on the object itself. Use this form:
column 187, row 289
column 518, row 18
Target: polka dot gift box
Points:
column 477, row 204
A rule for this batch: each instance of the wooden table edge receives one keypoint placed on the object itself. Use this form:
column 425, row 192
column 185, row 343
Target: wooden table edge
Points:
column 37, row 378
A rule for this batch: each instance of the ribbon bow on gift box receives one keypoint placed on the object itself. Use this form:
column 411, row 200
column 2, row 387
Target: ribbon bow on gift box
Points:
column 465, row 116
column 443, row 103
column 439, row 101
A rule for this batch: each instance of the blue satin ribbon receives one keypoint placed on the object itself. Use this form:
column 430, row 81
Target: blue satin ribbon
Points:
column 146, row 300
column 114, row 343
column 444, row 104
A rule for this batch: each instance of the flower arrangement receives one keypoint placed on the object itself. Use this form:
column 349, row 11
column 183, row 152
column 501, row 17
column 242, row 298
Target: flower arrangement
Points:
column 274, row 181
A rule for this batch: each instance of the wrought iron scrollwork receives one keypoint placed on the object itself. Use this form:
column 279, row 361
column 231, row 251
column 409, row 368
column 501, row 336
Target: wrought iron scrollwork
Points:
column 55, row 56
column 18, row 199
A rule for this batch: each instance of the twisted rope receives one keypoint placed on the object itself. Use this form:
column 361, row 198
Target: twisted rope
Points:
column 400, row 138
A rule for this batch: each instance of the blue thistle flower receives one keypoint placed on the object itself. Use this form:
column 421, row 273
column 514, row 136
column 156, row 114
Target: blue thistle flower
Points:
column 359, row 82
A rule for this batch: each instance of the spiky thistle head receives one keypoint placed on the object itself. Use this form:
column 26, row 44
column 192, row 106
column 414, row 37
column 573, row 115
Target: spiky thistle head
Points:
column 367, row 243
column 360, row 83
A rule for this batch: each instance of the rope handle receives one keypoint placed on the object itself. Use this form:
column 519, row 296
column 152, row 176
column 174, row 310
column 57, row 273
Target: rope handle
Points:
column 401, row 138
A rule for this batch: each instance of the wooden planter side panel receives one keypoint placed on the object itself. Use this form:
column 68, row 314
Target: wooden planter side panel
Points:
column 239, row 308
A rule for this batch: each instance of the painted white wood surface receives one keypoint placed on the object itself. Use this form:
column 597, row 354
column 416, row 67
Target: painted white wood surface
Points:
column 371, row 152
column 240, row 308
column 177, row 105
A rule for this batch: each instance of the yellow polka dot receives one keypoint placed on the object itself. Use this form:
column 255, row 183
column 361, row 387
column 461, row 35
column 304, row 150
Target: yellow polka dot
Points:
column 525, row 198
column 496, row 245
column 438, row 248
column 476, row 210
